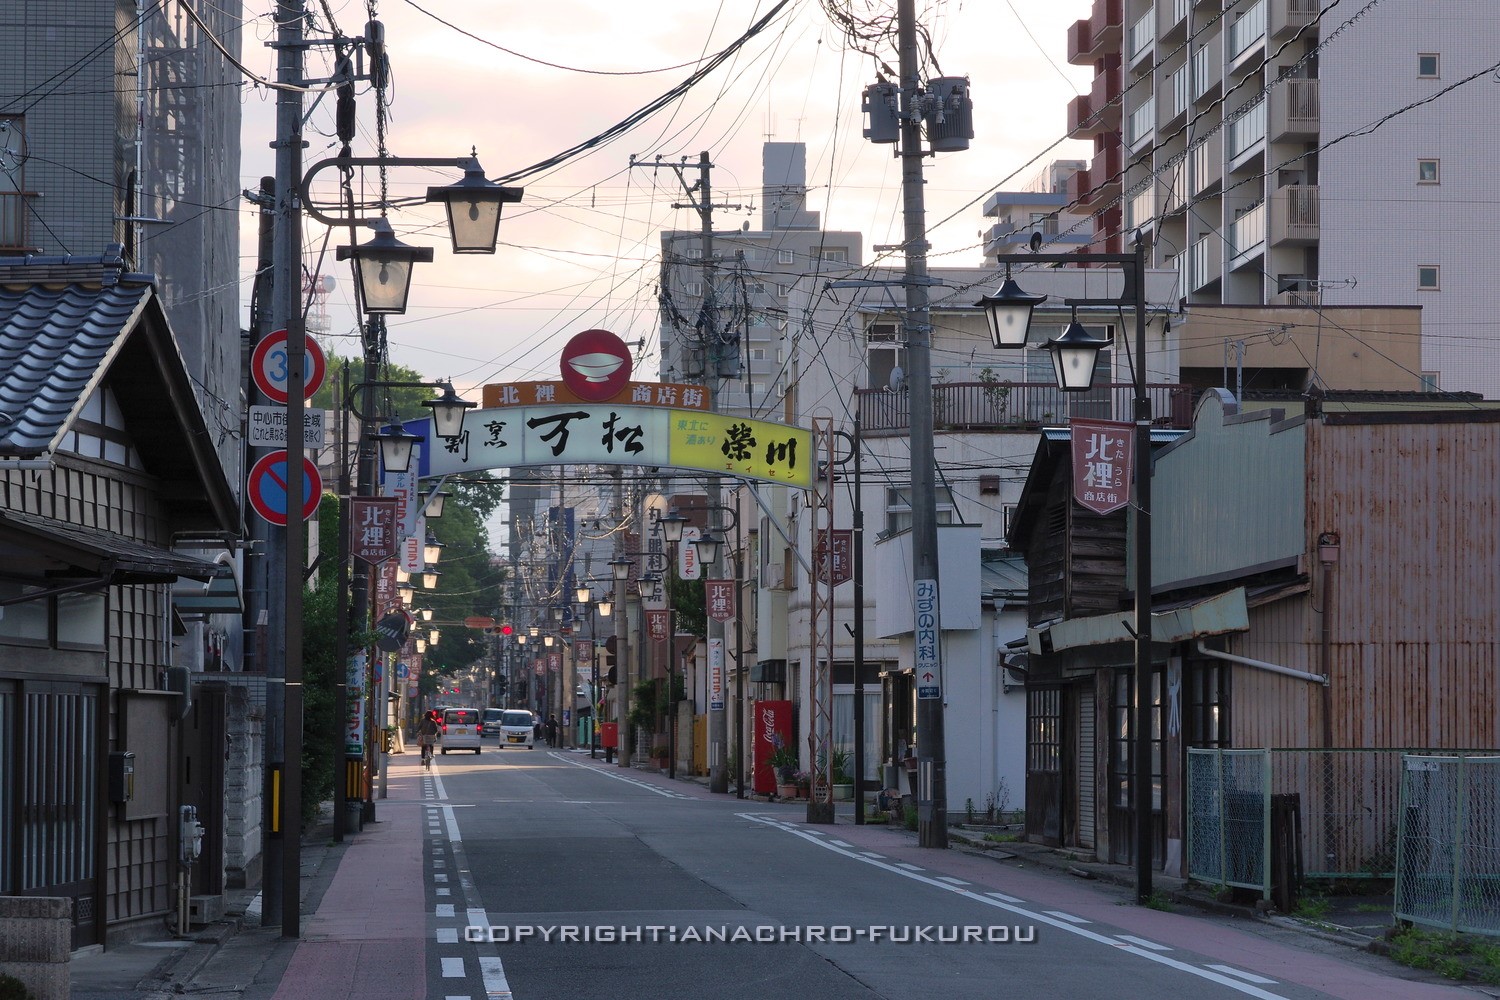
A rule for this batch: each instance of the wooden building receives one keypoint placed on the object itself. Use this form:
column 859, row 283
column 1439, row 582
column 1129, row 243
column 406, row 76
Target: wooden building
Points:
column 105, row 461
column 1326, row 576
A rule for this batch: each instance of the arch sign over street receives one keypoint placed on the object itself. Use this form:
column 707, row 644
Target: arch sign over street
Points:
column 573, row 422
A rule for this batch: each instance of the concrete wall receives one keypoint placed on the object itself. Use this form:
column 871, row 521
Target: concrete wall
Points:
column 244, row 779
column 36, row 936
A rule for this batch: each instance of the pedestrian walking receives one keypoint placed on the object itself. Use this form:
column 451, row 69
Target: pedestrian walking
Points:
column 551, row 728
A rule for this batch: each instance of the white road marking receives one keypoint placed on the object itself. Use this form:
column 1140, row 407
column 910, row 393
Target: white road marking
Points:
column 951, row 880
column 477, row 917
column 439, row 877
column 1004, row 898
column 1247, row 976
column 909, row 866
column 606, row 772
column 1000, row 902
column 1142, row 942
column 443, row 892
column 443, row 910
column 841, row 843
column 447, row 935
column 1060, row 915
column 493, row 973
column 453, row 968
column 871, row 854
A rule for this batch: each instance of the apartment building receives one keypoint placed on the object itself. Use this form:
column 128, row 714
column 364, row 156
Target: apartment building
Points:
column 1041, row 208
column 1292, row 152
column 738, row 334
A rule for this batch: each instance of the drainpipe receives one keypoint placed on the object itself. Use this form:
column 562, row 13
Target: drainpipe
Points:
column 1328, row 555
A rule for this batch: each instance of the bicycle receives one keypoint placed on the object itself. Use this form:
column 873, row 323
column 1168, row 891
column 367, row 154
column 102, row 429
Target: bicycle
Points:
column 426, row 742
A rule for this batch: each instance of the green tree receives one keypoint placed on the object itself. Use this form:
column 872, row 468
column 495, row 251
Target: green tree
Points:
column 320, row 673
column 405, row 403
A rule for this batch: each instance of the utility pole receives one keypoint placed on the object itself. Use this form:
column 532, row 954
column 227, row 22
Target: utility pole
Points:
column 932, row 782
column 287, row 281
column 622, row 631
column 700, row 195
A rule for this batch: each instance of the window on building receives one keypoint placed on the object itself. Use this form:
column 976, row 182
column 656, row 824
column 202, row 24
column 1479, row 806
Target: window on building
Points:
column 786, row 256
column 898, row 507
column 1044, row 729
column 1427, row 171
column 757, row 354
column 757, row 287
column 693, row 288
column 695, row 253
column 1207, row 689
column 1428, row 64
column 1428, row 276
column 783, row 290
column 1430, row 382
column 834, row 255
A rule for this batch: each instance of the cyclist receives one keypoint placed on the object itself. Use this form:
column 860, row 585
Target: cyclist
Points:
column 427, row 734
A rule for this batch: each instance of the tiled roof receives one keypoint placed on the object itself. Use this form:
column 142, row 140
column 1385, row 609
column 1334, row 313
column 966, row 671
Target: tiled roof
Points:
column 57, row 330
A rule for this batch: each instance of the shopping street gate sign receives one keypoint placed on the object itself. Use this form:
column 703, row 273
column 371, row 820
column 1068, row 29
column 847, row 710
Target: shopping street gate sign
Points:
column 621, row 434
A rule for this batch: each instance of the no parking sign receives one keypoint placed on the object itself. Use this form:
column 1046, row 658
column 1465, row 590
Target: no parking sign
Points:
column 267, row 488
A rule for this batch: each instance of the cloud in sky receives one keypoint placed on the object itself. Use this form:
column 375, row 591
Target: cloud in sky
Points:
column 581, row 250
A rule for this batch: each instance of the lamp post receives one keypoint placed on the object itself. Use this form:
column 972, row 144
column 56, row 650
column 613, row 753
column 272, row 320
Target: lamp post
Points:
column 709, row 547
column 1073, row 358
column 671, row 533
column 620, row 568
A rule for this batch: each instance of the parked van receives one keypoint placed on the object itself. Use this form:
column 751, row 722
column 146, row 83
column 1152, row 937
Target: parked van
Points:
column 460, row 730
column 517, row 729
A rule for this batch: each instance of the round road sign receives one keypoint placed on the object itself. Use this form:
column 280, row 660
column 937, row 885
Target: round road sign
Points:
column 267, row 488
column 268, row 366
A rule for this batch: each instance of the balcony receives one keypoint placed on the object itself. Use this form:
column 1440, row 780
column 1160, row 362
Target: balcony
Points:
column 1089, row 39
column 1205, row 263
column 1172, row 183
column 1171, row 19
column 1104, row 96
column 1247, row 34
column 1287, row 17
column 1294, row 215
column 1247, row 134
column 1082, row 123
column 1142, row 38
column 1142, row 125
column 1104, row 171
column 1175, row 98
column 1080, row 188
column 1247, row 237
column 1208, row 72
column 1018, row 407
column 1140, row 209
column 1208, row 163
column 1295, row 110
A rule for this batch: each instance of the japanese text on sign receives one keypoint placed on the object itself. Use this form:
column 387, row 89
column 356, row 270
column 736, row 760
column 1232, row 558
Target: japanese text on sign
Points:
column 1102, row 460
column 606, row 434
column 925, row 633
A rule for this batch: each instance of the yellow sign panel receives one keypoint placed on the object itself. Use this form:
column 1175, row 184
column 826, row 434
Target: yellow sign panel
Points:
column 739, row 446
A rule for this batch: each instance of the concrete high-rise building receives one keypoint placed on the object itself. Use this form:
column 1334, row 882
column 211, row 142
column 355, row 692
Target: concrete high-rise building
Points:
column 751, row 273
column 1287, row 152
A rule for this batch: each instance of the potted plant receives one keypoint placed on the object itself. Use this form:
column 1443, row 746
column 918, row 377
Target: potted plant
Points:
column 783, row 761
column 802, row 780
column 995, row 393
column 659, row 756
column 843, row 780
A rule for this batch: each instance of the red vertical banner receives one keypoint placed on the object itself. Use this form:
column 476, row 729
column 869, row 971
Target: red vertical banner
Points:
column 1103, row 451
column 718, row 599
column 656, row 625
column 772, row 722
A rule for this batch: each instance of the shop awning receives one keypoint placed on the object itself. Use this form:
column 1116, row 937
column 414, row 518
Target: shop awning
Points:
column 41, row 547
column 1215, row 615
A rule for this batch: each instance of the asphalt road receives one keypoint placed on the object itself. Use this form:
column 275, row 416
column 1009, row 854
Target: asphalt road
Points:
column 549, row 875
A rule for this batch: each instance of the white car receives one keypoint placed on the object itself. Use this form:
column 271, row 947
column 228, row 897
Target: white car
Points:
column 460, row 730
column 517, row 729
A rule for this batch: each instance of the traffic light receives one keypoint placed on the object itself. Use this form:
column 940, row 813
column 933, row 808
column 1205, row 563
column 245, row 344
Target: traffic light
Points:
column 609, row 660
column 506, row 630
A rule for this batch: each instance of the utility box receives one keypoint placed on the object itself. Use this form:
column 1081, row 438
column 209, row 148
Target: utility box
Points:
column 121, row 777
column 949, row 114
column 882, row 120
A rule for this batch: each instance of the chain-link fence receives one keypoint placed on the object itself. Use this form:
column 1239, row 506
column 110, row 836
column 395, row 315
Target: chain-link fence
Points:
column 1448, row 846
column 1229, row 817
column 1347, row 803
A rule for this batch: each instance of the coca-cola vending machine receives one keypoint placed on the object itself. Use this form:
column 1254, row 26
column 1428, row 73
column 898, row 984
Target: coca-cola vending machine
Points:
column 773, row 722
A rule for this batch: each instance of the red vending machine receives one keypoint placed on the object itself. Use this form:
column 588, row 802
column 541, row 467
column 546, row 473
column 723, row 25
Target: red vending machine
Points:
column 772, row 721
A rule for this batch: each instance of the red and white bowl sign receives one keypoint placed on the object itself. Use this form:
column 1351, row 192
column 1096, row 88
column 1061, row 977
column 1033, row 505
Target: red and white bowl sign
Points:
column 595, row 365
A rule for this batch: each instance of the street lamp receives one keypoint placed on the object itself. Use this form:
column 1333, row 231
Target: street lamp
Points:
column 1073, row 358
column 1009, row 312
column 448, row 415
column 432, row 550
column 395, row 448
column 474, row 205
column 382, row 269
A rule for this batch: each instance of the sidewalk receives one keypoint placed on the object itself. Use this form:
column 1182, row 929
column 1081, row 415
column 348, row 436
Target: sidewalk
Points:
column 360, row 937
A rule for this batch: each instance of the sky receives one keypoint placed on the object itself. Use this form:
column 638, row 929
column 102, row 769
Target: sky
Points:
column 581, row 250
